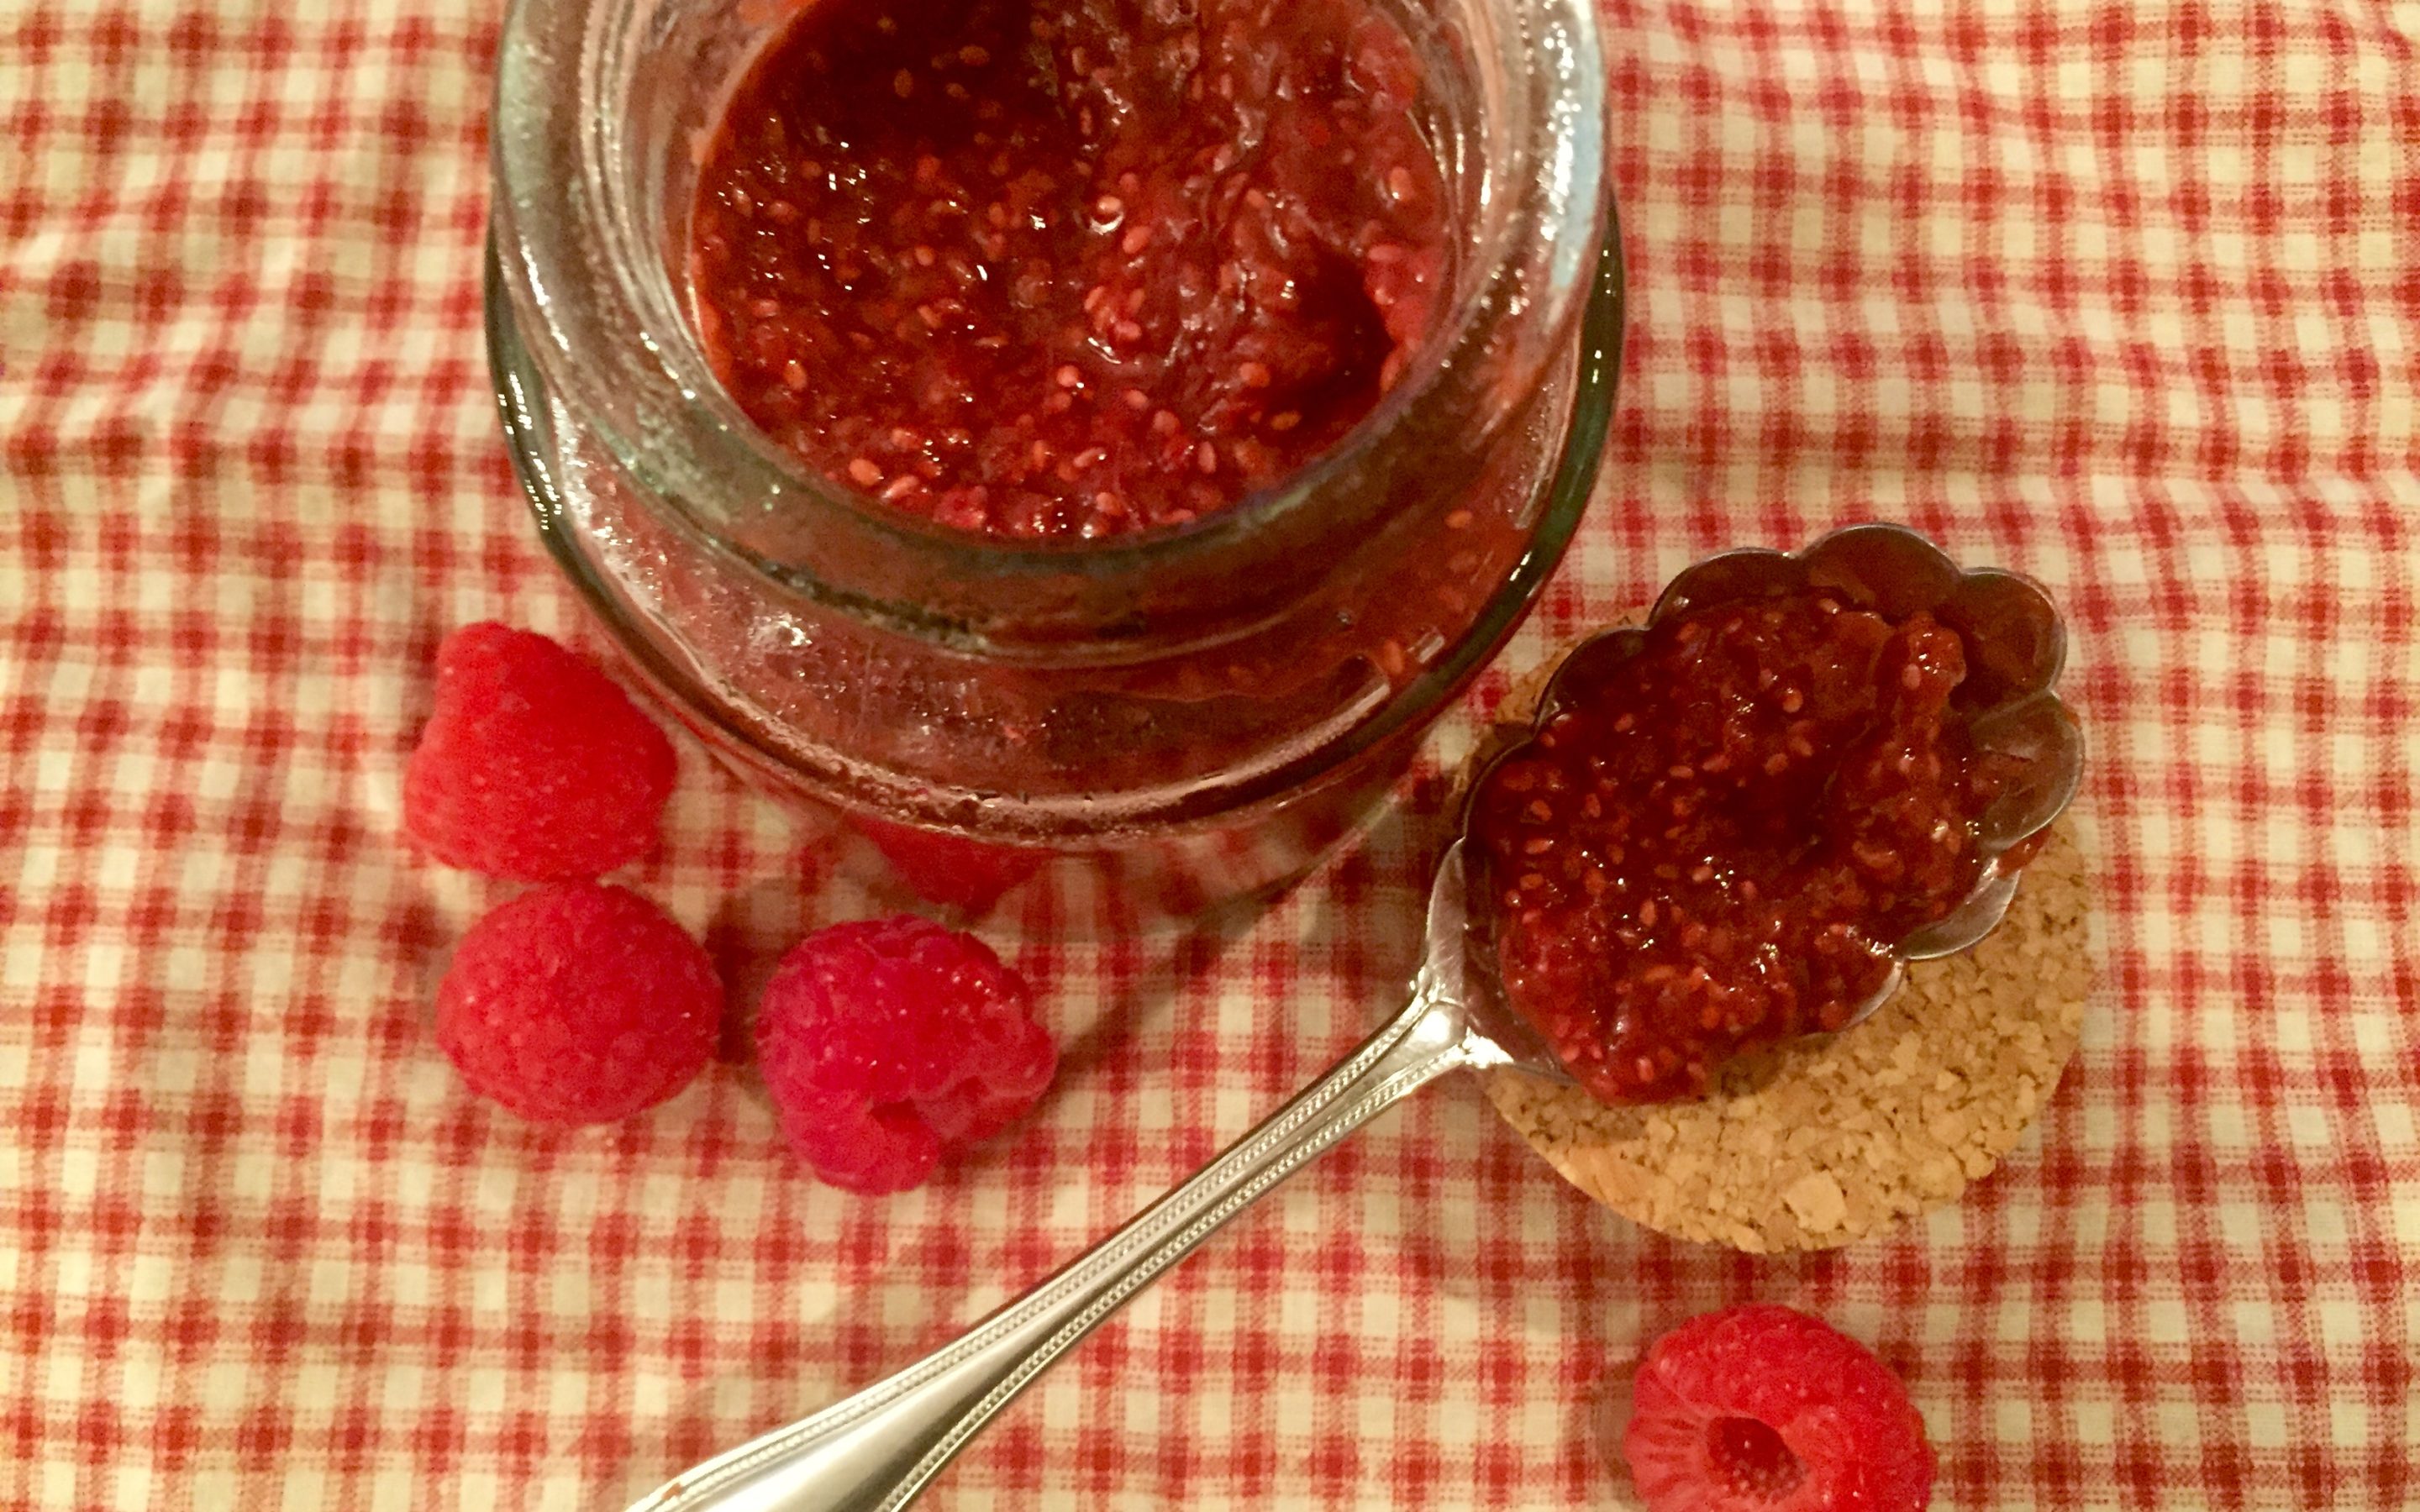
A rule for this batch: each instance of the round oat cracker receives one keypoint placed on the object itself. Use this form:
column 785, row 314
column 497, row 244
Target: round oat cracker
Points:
column 1822, row 1141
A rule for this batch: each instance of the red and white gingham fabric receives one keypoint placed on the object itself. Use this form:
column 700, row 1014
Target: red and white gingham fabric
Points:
column 2125, row 293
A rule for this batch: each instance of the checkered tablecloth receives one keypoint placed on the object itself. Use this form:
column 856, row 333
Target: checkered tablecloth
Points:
column 2125, row 293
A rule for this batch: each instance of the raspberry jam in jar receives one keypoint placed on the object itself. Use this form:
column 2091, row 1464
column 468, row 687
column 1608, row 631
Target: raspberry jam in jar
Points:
column 1066, row 267
column 1716, row 839
column 1019, row 430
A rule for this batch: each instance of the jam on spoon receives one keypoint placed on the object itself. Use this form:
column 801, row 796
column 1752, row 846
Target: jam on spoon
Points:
column 1714, row 840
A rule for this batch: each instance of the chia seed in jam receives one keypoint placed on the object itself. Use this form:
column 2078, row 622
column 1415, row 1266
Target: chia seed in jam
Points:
column 1713, row 842
column 1068, row 268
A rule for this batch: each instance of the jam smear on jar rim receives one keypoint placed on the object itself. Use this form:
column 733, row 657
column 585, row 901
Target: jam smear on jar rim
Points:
column 1068, row 268
column 1714, row 843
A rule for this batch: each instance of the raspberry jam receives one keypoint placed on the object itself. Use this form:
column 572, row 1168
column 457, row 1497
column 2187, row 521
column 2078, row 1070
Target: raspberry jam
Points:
column 1068, row 268
column 1714, row 843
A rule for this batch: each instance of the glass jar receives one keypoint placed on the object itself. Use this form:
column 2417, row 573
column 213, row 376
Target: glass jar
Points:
column 1205, row 708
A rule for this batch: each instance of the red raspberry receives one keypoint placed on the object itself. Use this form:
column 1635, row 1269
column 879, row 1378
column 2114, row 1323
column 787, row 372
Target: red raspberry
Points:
column 534, row 764
column 886, row 1041
column 1761, row 1409
column 946, row 869
column 576, row 1003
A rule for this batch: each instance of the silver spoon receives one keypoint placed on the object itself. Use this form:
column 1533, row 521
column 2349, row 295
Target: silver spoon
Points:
column 875, row 1451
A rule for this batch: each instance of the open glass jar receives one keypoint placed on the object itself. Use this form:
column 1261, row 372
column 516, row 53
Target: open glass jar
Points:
column 1206, row 707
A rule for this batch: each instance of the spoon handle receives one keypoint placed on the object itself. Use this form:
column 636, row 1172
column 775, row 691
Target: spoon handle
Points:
column 873, row 1452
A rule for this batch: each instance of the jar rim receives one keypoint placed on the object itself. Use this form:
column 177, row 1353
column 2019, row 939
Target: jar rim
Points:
column 657, row 410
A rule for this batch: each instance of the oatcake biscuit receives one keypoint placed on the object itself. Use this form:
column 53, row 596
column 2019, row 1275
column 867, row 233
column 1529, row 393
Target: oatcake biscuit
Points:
column 1823, row 1141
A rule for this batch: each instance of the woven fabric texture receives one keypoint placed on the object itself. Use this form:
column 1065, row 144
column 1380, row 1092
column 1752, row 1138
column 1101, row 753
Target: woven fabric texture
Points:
column 2123, row 293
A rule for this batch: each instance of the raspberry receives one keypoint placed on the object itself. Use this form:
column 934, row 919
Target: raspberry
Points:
column 885, row 1043
column 1761, row 1409
column 945, row 869
column 576, row 1003
column 534, row 765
